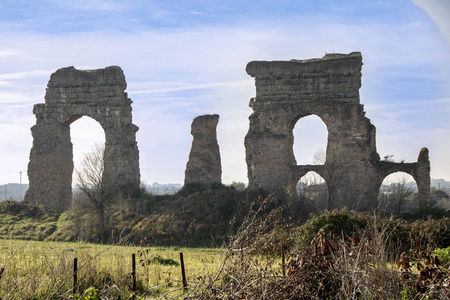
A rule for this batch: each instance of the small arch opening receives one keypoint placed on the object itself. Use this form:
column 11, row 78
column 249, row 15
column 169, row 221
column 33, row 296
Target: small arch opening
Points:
column 397, row 194
column 313, row 189
column 85, row 134
column 310, row 140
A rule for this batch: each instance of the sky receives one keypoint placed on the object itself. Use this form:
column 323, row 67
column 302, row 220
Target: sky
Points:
column 182, row 59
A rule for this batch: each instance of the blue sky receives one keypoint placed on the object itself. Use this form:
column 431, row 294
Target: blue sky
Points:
column 182, row 59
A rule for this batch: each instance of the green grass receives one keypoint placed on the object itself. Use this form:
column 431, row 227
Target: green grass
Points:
column 43, row 270
column 27, row 228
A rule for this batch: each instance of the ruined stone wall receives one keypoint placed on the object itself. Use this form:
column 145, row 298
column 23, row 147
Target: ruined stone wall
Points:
column 71, row 94
column 204, row 165
column 329, row 88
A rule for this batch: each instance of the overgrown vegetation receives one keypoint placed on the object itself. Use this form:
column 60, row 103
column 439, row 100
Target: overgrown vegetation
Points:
column 335, row 255
column 340, row 255
column 199, row 219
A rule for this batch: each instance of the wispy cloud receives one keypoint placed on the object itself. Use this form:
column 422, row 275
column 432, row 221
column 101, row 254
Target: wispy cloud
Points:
column 175, row 73
column 22, row 75
column 90, row 5
column 166, row 87
column 438, row 11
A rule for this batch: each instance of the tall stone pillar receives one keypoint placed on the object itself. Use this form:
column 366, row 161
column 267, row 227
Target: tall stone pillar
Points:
column 50, row 170
column 422, row 177
column 204, row 165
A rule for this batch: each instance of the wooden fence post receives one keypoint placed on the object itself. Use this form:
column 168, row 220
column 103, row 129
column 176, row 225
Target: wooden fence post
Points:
column 183, row 272
column 75, row 277
column 133, row 272
column 283, row 263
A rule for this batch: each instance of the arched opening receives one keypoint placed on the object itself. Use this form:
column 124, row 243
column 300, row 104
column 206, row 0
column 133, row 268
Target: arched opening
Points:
column 310, row 140
column 398, row 194
column 85, row 135
column 313, row 189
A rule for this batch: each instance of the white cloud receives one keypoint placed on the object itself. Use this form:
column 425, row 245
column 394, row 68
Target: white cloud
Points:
column 21, row 75
column 9, row 53
column 158, row 87
column 438, row 10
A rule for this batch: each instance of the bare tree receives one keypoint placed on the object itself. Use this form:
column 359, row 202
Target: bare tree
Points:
column 394, row 196
column 89, row 180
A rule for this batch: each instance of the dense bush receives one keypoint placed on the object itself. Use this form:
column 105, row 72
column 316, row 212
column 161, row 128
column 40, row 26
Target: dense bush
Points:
column 401, row 235
column 22, row 209
column 338, row 223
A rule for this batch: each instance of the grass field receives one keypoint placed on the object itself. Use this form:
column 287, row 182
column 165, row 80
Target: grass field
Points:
column 44, row 270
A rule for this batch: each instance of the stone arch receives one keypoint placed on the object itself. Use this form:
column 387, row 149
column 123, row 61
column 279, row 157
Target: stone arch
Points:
column 329, row 88
column 71, row 94
column 408, row 175
column 395, row 192
column 295, row 133
column 313, row 187
column 419, row 170
column 85, row 135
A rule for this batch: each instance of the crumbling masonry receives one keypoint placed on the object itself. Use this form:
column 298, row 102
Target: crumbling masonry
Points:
column 329, row 88
column 285, row 92
column 71, row 94
column 204, row 164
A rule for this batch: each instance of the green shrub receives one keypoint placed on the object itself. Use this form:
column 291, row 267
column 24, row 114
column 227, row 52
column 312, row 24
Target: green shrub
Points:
column 158, row 260
column 443, row 254
column 429, row 234
column 400, row 235
column 338, row 223
column 89, row 294
column 22, row 209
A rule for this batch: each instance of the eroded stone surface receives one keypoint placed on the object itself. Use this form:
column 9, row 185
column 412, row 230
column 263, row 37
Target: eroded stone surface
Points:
column 204, row 164
column 71, row 94
column 329, row 88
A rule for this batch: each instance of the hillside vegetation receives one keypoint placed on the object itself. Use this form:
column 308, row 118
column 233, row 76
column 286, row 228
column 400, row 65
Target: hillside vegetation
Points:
column 268, row 253
column 196, row 217
column 27, row 222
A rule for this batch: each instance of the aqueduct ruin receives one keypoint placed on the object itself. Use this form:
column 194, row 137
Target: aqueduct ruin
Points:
column 329, row 88
column 286, row 91
column 71, row 94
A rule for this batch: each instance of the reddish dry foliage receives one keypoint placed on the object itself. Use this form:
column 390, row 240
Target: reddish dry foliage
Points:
column 432, row 277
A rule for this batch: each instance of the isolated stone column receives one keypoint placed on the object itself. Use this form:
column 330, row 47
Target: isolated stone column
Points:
column 204, row 164
column 422, row 178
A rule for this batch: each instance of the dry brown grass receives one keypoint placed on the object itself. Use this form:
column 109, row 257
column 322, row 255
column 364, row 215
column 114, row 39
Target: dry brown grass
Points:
column 358, row 267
